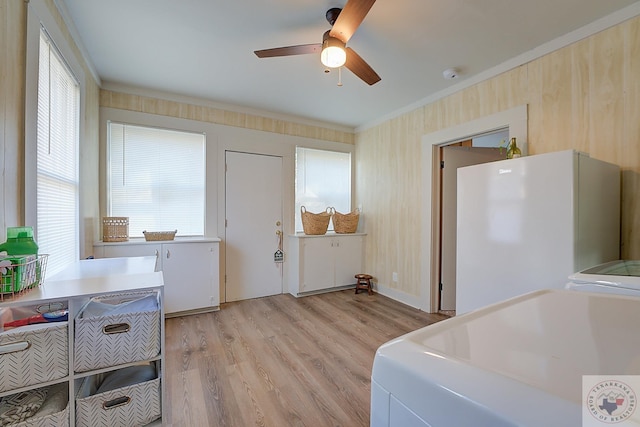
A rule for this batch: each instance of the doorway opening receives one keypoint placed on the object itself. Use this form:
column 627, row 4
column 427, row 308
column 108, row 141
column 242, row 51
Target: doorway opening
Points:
column 478, row 149
column 515, row 120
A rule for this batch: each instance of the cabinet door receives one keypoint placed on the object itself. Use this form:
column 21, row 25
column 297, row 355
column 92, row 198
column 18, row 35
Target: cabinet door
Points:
column 190, row 273
column 116, row 251
column 317, row 264
column 348, row 256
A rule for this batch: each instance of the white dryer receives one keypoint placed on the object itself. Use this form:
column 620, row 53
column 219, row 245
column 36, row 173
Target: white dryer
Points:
column 620, row 277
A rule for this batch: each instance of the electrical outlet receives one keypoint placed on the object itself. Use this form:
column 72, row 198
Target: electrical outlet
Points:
column 395, row 276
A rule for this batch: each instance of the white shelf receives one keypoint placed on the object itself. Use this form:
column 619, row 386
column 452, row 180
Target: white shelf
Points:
column 75, row 286
column 91, row 278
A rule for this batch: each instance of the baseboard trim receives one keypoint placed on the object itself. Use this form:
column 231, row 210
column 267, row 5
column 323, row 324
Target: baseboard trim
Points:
column 394, row 294
column 190, row 312
column 322, row 291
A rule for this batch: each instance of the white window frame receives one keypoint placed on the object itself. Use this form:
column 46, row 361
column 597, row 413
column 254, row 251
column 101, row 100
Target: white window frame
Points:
column 317, row 209
column 210, row 131
column 39, row 16
column 110, row 178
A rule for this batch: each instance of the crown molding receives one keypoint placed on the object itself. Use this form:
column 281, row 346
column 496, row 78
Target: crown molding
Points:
column 581, row 33
column 152, row 93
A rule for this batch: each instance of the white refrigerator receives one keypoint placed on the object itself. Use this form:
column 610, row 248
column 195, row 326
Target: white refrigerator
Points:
column 528, row 223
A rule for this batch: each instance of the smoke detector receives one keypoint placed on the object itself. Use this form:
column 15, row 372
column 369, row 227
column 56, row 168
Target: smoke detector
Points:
column 450, row 73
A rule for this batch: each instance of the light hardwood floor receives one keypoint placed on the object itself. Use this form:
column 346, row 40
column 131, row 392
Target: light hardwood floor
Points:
column 281, row 361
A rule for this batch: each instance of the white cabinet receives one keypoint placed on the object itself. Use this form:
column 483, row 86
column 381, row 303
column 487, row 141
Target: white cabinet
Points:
column 192, row 273
column 190, row 268
column 321, row 263
column 73, row 288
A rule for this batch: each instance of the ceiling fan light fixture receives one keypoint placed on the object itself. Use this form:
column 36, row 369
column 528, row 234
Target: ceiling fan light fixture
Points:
column 333, row 54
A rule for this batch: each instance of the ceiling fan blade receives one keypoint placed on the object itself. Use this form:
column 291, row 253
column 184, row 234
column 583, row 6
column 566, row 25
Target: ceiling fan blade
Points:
column 360, row 68
column 302, row 49
column 350, row 19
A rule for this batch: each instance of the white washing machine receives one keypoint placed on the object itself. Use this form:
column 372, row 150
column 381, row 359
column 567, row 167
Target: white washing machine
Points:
column 519, row 362
column 616, row 277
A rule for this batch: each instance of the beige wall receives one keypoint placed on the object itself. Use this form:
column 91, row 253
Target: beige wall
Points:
column 13, row 22
column 182, row 110
column 585, row 96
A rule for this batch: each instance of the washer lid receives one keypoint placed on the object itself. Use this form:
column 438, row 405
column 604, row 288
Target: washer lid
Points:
column 517, row 362
column 620, row 273
column 546, row 339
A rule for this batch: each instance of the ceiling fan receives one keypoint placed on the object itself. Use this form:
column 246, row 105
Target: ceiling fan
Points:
column 333, row 50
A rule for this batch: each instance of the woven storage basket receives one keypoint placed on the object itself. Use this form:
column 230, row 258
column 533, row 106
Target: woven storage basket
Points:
column 315, row 224
column 345, row 223
column 159, row 235
column 101, row 343
column 45, row 359
column 115, row 228
column 56, row 419
column 140, row 404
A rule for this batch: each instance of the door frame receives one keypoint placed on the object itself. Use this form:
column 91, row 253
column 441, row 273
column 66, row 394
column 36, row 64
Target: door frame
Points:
column 259, row 143
column 252, row 141
column 280, row 228
column 515, row 120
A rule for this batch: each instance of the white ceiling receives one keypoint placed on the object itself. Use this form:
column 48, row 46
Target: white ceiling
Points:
column 204, row 48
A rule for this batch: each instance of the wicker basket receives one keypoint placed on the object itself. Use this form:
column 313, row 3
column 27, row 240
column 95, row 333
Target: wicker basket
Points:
column 345, row 223
column 159, row 235
column 115, row 229
column 315, row 224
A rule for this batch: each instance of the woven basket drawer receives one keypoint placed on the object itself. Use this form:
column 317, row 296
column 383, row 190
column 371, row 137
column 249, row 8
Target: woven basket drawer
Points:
column 59, row 419
column 135, row 405
column 58, row 394
column 101, row 343
column 46, row 357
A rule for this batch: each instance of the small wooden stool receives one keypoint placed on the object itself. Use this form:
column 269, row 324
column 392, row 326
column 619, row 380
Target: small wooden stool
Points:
column 364, row 283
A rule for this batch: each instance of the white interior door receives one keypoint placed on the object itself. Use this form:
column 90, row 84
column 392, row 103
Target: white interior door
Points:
column 453, row 158
column 253, row 197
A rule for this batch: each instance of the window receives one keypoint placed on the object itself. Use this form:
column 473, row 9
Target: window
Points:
column 157, row 178
column 57, row 183
column 323, row 179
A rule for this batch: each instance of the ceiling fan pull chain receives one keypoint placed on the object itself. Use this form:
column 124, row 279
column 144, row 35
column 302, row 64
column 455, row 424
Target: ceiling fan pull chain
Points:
column 340, row 77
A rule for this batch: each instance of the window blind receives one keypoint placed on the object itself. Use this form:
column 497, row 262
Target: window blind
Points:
column 323, row 179
column 57, row 159
column 157, row 179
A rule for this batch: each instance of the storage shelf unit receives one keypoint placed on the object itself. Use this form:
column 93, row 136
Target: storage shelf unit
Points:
column 73, row 288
